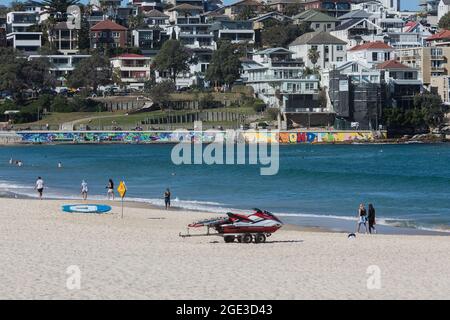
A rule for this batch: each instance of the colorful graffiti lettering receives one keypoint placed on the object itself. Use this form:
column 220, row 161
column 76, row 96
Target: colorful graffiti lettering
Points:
column 207, row 137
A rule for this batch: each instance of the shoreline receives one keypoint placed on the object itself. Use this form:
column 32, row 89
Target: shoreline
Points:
column 295, row 223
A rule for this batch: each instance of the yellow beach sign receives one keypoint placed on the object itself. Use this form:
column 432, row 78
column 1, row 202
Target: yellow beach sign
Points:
column 122, row 189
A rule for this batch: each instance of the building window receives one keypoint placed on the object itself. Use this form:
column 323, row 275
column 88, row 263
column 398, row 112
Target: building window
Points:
column 340, row 48
column 116, row 34
column 374, row 56
column 339, row 59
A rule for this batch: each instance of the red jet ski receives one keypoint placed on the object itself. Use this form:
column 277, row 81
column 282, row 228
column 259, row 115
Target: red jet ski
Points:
column 244, row 228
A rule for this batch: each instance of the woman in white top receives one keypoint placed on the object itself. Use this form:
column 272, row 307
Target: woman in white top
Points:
column 39, row 187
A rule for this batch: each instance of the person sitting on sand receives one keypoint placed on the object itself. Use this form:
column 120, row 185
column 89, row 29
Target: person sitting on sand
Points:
column 39, row 187
column 110, row 192
column 371, row 218
column 84, row 190
column 167, row 198
column 362, row 218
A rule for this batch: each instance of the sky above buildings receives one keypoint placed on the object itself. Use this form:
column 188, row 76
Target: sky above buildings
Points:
column 406, row 4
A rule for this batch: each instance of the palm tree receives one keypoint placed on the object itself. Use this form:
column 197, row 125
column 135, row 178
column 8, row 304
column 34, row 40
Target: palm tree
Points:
column 58, row 8
column 313, row 56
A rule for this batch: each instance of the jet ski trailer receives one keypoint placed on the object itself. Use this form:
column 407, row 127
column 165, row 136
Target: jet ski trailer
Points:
column 256, row 227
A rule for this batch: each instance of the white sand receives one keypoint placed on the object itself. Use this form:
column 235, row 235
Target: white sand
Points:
column 142, row 257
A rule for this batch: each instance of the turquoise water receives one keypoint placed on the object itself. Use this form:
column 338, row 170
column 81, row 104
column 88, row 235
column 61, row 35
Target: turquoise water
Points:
column 408, row 184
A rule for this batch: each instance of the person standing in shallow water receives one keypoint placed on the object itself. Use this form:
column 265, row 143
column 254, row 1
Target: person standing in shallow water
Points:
column 362, row 218
column 167, row 198
column 371, row 218
column 84, row 189
column 39, row 187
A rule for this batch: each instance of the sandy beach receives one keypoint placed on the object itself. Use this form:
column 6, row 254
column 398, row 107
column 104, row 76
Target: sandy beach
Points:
column 142, row 257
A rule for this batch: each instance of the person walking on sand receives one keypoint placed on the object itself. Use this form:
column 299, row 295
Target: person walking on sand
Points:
column 167, row 198
column 110, row 192
column 371, row 218
column 39, row 186
column 362, row 218
column 84, row 190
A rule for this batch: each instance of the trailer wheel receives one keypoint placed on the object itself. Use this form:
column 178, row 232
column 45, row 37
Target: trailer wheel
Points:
column 260, row 238
column 228, row 239
column 247, row 238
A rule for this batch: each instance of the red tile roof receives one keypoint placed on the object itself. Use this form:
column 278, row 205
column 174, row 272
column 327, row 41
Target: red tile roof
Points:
column 371, row 46
column 108, row 25
column 444, row 34
column 392, row 64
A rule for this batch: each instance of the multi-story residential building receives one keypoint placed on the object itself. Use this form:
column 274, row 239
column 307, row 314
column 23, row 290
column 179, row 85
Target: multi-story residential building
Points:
column 333, row 8
column 371, row 53
column 441, row 39
column 353, row 101
column 149, row 40
column 36, row 7
column 64, row 39
column 399, row 40
column 132, row 70
column 443, row 8
column 234, row 31
column 431, row 62
column 190, row 27
column 357, row 31
column 280, row 82
column 61, row 66
column 402, row 83
column 318, row 21
column 283, row 5
column 21, row 21
column 108, row 34
column 331, row 50
column 156, row 18
column 391, row 24
column 28, row 42
column 184, row 11
column 356, row 71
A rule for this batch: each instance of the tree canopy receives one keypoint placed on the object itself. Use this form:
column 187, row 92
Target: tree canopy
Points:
column 225, row 65
column 172, row 58
column 444, row 23
column 18, row 74
column 91, row 72
column 282, row 34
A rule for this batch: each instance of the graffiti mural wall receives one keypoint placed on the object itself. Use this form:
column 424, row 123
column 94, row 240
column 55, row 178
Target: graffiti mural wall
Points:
column 192, row 136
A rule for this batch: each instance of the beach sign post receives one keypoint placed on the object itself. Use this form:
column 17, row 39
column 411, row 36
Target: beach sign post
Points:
column 122, row 189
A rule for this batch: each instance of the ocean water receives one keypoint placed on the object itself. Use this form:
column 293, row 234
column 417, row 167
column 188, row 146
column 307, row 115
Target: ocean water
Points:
column 409, row 185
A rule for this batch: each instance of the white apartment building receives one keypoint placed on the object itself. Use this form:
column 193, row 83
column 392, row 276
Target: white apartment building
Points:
column 331, row 50
column 279, row 81
column 132, row 69
column 61, row 66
